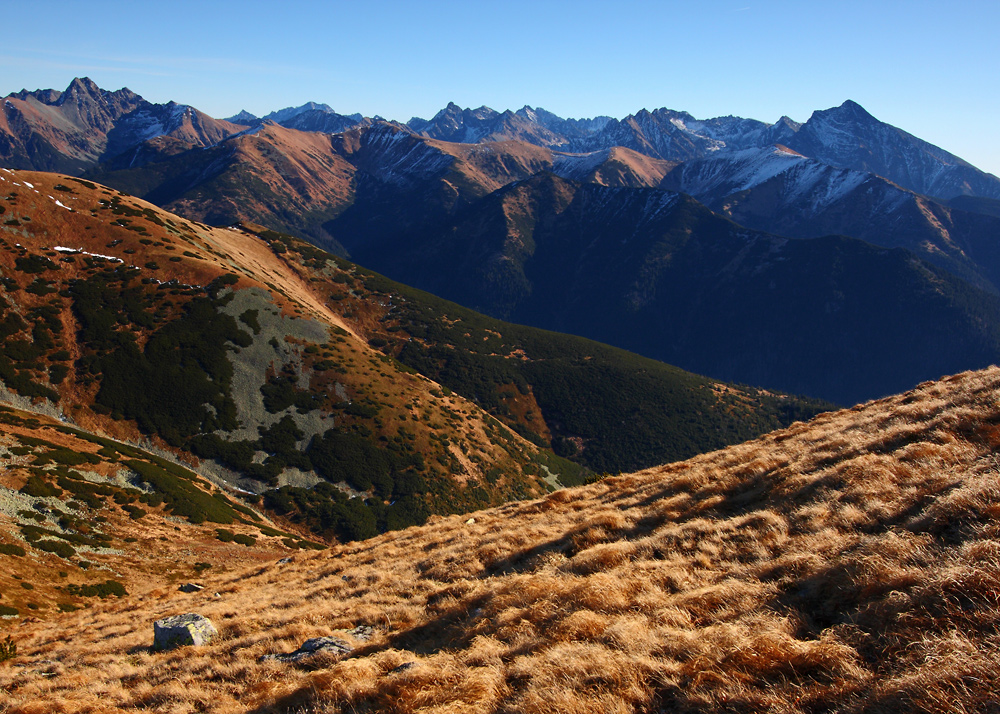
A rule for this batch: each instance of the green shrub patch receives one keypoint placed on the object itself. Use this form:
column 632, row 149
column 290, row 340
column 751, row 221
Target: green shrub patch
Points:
column 182, row 497
column 101, row 590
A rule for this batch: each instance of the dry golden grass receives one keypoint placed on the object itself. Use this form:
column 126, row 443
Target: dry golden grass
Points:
column 851, row 564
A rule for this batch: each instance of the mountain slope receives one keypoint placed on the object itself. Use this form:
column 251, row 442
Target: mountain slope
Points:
column 783, row 192
column 848, row 564
column 285, row 369
column 850, row 137
column 300, row 182
column 288, row 179
column 657, row 273
column 210, row 345
column 83, row 517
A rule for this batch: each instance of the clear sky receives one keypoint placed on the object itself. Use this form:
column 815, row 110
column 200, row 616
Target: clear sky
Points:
column 930, row 68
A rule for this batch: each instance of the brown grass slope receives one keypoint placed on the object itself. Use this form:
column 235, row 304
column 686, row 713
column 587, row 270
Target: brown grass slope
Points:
column 73, row 516
column 850, row 564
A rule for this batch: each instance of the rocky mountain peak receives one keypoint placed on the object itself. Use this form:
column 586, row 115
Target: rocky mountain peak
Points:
column 849, row 113
column 288, row 113
column 81, row 86
column 244, row 117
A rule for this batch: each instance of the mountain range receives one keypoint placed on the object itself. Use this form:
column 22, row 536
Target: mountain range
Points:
column 576, row 225
column 73, row 126
column 204, row 381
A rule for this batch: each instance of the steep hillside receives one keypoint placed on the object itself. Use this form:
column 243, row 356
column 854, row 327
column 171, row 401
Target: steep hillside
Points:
column 85, row 517
column 605, row 408
column 657, row 273
column 849, row 565
column 131, row 322
column 783, row 192
column 288, row 179
column 344, row 401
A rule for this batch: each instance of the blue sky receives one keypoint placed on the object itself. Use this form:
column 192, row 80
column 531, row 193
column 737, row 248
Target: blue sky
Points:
column 930, row 68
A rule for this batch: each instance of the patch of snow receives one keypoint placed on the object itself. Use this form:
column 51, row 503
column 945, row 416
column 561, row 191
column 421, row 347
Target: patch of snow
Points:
column 29, row 185
column 81, row 251
column 578, row 166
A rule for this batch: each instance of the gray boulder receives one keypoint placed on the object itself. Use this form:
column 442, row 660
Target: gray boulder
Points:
column 313, row 647
column 182, row 630
column 191, row 588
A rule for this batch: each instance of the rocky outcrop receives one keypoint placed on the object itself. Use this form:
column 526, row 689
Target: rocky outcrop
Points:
column 182, row 630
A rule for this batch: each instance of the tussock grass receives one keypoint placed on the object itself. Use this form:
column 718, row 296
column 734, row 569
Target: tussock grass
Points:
column 851, row 564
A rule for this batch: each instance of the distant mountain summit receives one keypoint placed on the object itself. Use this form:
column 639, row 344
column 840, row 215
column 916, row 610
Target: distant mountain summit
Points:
column 283, row 115
column 73, row 130
column 535, row 126
column 846, row 137
column 245, row 118
column 849, row 136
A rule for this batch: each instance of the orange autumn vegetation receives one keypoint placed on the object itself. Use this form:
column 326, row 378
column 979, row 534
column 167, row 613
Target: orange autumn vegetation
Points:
column 851, row 564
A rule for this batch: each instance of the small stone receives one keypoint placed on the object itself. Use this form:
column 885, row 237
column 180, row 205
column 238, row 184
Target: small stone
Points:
column 289, row 559
column 470, row 522
column 182, row 630
column 190, row 588
column 362, row 633
column 403, row 667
